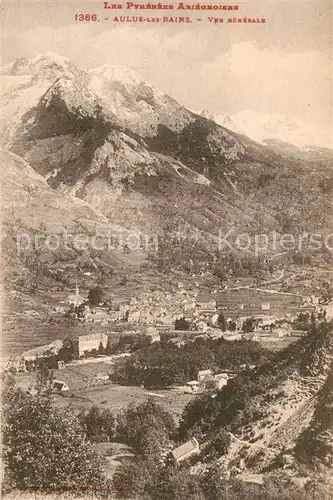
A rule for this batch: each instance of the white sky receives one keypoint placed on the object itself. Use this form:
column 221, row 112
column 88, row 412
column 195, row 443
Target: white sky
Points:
column 281, row 67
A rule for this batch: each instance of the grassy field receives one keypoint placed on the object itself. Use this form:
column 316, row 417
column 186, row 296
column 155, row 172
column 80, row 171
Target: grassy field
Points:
column 278, row 344
column 117, row 398
column 85, row 393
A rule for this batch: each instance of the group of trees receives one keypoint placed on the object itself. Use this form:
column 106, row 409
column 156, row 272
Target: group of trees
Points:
column 147, row 428
column 163, row 364
column 95, row 296
column 182, row 324
column 305, row 320
column 225, row 325
column 249, row 325
column 131, row 343
column 191, row 253
column 244, row 399
column 144, row 481
column 99, row 424
column 44, row 448
column 240, row 264
column 50, row 449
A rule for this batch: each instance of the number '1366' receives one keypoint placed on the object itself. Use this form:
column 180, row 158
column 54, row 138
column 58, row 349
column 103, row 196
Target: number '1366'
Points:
column 86, row 17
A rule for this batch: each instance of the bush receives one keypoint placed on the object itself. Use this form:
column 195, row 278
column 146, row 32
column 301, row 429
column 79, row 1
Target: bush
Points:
column 95, row 296
column 219, row 445
column 99, row 424
column 44, row 447
column 147, row 427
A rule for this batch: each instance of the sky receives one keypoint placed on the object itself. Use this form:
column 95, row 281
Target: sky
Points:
column 283, row 66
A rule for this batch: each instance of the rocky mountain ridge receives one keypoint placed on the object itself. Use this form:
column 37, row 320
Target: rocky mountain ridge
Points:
column 269, row 413
column 146, row 162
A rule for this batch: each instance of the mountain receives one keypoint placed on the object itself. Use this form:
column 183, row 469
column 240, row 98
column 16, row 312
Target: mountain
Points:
column 261, row 127
column 147, row 163
column 221, row 119
column 50, row 242
column 275, row 416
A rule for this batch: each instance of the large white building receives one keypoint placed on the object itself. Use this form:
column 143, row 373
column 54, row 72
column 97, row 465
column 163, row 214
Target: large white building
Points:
column 88, row 343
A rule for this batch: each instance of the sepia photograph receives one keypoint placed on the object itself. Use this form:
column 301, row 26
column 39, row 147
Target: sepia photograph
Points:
column 167, row 250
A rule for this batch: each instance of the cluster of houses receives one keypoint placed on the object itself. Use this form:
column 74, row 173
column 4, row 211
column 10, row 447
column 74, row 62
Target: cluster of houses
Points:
column 201, row 311
column 156, row 307
column 81, row 344
column 273, row 313
column 207, row 381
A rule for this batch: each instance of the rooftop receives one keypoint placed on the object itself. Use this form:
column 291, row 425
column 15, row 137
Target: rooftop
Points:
column 185, row 448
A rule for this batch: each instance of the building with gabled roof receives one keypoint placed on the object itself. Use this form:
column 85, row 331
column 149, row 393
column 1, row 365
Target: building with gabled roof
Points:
column 60, row 385
column 185, row 451
column 203, row 374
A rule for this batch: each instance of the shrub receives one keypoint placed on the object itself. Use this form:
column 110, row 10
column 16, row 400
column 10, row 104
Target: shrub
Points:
column 99, row 424
column 147, row 427
column 95, row 296
column 218, row 445
column 44, row 447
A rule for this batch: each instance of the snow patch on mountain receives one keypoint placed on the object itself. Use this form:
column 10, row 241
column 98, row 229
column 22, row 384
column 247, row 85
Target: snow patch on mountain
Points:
column 135, row 102
column 221, row 119
column 122, row 74
column 260, row 127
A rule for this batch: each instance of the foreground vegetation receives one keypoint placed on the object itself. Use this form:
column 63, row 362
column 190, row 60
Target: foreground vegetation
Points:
column 163, row 364
column 49, row 450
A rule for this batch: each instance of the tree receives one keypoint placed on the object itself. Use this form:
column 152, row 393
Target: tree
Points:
column 182, row 324
column 218, row 445
column 130, row 479
column 185, row 486
column 101, row 348
column 95, row 296
column 68, row 350
column 44, row 447
column 221, row 322
column 232, row 326
column 248, row 325
column 99, row 424
column 147, row 427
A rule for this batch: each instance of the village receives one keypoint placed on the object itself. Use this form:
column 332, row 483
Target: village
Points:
column 266, row 316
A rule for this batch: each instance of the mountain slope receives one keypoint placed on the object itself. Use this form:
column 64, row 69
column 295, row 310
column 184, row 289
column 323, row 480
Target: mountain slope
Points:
column 50, row 241
column 148, row 163
column 269, row 412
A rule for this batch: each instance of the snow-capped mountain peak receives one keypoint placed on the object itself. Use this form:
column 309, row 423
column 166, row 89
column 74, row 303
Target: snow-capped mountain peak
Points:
column 30, row 79
column 48, row 65
column 260, row 127
column 122, row 74
column 221, row 119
